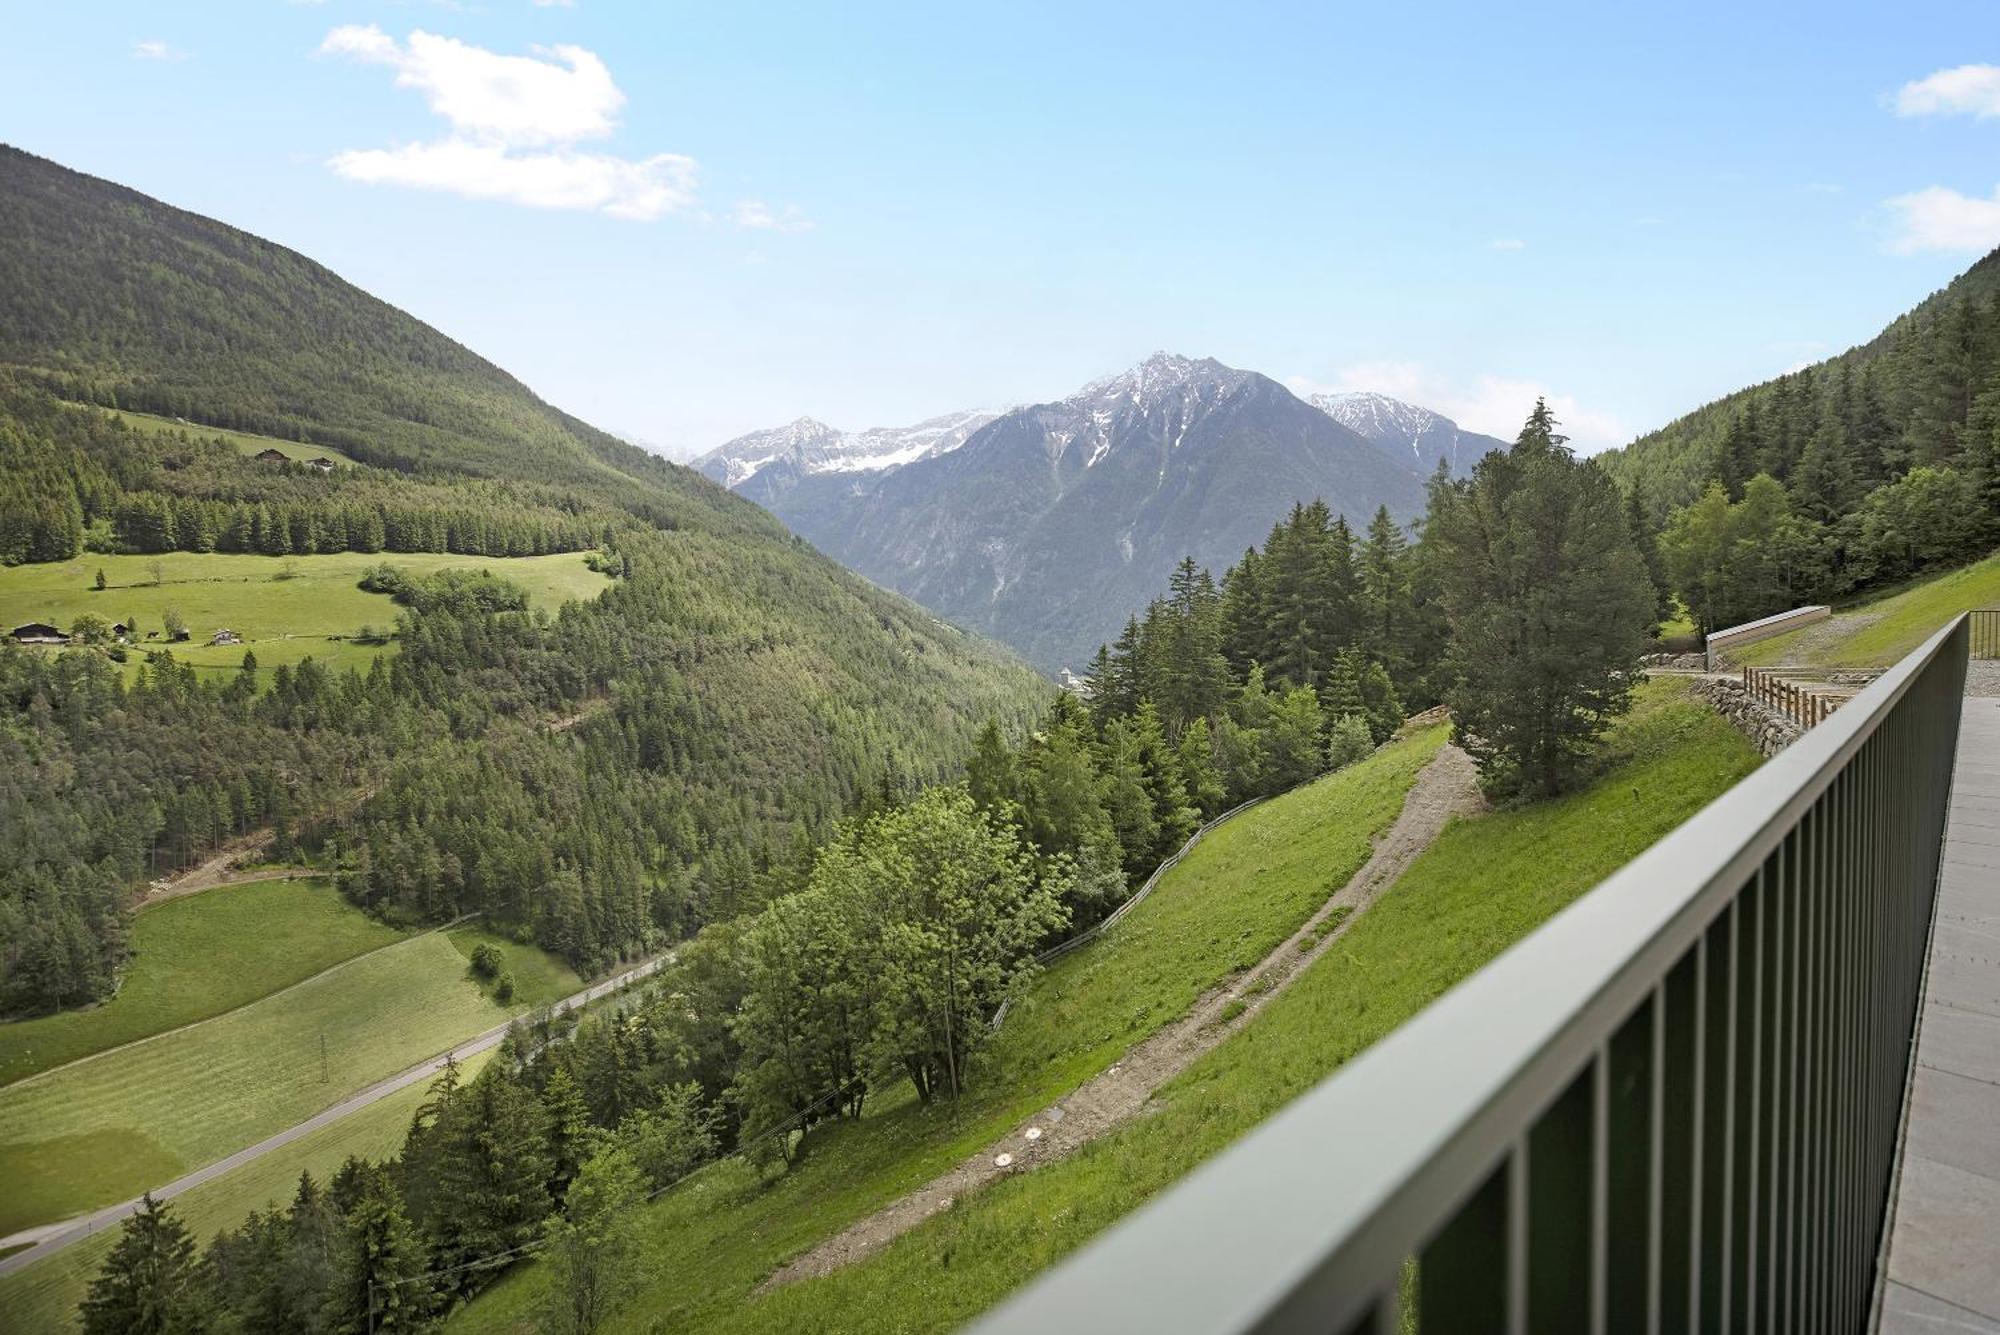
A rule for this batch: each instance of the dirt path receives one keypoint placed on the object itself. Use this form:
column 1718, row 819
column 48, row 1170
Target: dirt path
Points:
column 1445, row 787
column 219, row 869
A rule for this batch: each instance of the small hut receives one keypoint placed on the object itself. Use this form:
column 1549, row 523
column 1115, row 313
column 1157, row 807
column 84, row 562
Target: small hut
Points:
column 273, row 456
column 226, row 636
column 323, row 464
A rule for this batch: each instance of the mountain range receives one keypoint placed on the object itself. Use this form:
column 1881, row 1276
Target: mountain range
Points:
column 1046, row 525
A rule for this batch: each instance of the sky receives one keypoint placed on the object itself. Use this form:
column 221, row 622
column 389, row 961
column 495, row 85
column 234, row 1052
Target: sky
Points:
column 683, row 222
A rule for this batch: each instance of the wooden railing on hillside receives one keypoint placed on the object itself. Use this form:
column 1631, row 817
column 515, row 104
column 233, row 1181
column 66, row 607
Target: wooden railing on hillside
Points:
column 1802, row 707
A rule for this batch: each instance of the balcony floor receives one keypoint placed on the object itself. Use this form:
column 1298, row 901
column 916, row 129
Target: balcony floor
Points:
column 1944, row 1246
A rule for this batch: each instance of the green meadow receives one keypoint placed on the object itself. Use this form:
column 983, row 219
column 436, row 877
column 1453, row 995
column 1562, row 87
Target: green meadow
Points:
column 42, row 1299
column 271, row 933
column 286, row 608
column 1484, row 884
column 99, row 1131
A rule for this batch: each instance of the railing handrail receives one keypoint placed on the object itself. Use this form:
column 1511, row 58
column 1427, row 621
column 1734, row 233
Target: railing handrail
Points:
column 1295, row 1225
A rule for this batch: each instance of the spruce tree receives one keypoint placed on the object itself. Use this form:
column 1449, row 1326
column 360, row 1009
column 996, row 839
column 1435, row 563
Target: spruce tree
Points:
column 1548, row 602
column 151, row 1282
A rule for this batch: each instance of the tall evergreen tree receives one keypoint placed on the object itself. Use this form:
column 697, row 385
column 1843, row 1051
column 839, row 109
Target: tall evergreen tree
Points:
column 151, row 1282
column 1548, row 602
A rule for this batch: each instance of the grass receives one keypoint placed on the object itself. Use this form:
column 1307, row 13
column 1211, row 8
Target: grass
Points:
column 1878, row 632
column 271, row 934
column 1236, row 897
column 285, row 607
column 539, row 977
column 244, row 442
column 1484, row 884
column 42, row 1299
column 104, row 1130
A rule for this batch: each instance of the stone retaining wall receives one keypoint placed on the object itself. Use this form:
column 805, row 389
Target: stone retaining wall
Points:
column 1768, row 730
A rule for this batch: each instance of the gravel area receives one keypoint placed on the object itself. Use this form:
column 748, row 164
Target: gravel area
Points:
column 1982, row 677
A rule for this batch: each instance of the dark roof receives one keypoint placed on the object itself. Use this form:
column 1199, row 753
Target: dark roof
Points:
column 34, row 628
column 275, row 454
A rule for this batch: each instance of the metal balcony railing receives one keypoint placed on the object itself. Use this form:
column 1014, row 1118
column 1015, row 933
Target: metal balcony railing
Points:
column 1985, row 632
column 1674, row 1107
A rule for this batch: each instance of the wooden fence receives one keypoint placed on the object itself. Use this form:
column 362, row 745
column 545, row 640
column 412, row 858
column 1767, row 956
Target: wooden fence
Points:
column 1802, row 707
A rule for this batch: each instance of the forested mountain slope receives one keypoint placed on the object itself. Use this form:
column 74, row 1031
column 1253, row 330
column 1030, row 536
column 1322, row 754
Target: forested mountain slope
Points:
column 1841, row 478
column 729, row 697
column 1902, row 399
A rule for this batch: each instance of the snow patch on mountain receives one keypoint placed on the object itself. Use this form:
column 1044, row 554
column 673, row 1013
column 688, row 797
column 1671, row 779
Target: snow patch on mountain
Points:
column 811, row 446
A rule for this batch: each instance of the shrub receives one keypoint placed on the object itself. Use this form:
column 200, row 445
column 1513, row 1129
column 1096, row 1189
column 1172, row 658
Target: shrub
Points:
column 503, row 990
column 487, row 961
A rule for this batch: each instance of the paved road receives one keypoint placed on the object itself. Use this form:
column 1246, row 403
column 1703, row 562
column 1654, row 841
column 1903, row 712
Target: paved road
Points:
column 52, row 1238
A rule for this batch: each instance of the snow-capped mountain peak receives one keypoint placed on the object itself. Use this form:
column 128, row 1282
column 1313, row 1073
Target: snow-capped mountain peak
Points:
column 1415, row 435
column 1160, row 376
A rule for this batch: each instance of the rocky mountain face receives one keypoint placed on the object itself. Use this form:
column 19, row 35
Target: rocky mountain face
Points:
column 1051, row 523
column 1409, row 434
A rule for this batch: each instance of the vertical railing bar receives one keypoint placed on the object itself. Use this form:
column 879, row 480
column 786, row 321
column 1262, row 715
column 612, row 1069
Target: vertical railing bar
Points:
column 1774, row 1153
column 1795, row 1066
column 1726, row 1251
column 1752, row 1159
column 1696, row 1170
column 1600, row 1187
column 1656, row 1156
column 1816, row 1213
column 1517, row 1237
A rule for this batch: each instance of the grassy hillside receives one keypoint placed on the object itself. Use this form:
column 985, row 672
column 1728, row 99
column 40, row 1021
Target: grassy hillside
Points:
column 42, row 1299
column 271, row 934
column 103, row 1130
column 1242, row 891
column 1878, row 631
column 1485, row 883
column 286, row 608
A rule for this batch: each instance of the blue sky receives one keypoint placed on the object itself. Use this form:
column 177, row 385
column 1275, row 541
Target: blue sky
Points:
column 682, row 222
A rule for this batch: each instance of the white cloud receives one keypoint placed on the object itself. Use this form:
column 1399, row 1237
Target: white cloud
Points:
column 1493, row 404
column 152, row 49
column 515, row 123
column 1971, row 89
column 565, row 95
column 1940, row 218
column 590, row 182
column 756, row 215
column 1507, row 243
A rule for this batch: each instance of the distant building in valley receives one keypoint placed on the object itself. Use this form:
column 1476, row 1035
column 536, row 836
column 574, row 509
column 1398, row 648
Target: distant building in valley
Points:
column 226, row 636
column 274, row 456
column 39, row 632
column 323, row 464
